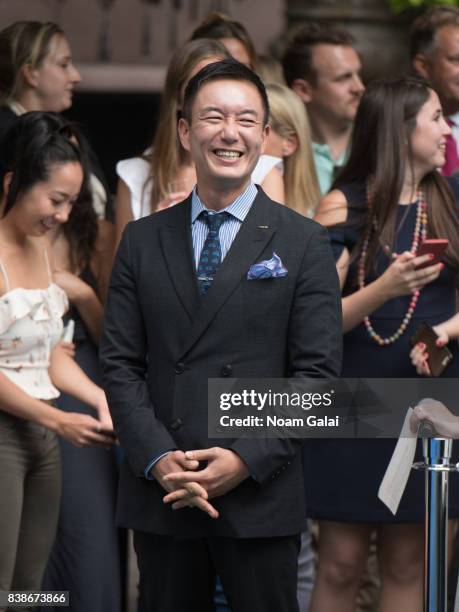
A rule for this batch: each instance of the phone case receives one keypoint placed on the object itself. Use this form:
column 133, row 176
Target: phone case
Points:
column 439, row 356
column 435, row 246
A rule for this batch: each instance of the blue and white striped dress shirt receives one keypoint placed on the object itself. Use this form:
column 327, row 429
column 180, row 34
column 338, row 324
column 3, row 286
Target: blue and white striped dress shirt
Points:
column 238, row 211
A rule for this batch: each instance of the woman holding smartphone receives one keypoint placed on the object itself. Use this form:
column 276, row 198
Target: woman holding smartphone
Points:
column 387, row 200
column 42, row 174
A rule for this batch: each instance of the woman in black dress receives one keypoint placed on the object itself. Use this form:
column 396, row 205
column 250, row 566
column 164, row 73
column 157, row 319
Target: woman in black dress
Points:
column 388, row 198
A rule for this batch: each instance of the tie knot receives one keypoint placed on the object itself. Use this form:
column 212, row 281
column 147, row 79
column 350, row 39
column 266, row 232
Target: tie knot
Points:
column 215, row 220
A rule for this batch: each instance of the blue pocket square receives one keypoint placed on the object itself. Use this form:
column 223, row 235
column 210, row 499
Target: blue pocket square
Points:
column 270, row 268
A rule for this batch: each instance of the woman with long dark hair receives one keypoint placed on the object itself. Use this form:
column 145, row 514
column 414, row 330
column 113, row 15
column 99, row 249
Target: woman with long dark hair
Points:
column 43, row 175
column 82, row 251
column 387, row 200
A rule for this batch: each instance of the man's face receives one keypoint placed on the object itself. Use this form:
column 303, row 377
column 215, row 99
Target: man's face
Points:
column 226, row 134
column 336, row 93
column 441, row 67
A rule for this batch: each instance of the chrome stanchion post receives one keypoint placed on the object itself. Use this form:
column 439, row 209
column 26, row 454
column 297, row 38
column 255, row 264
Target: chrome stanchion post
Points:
column 437, row 455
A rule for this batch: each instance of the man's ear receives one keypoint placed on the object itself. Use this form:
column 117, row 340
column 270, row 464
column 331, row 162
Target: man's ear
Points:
column 30, row 75
column 302, row 89
column 266, row 133
column 421, row 65
column 289, row 145
column 184, row 133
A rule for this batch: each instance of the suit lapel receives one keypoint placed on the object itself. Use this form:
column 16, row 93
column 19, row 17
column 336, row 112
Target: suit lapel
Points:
column 255, row 233
column 178, row 254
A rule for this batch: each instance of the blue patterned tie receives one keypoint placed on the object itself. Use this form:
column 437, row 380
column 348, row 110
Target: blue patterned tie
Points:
column 211, row 254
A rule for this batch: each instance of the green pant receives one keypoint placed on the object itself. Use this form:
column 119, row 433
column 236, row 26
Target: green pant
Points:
column 29, row 502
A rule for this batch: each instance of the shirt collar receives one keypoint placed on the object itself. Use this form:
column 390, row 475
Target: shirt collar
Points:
column 239, row 208
column 325, row 151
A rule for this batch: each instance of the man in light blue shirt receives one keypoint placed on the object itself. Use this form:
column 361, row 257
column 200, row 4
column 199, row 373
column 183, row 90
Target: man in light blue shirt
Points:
column 323, row 69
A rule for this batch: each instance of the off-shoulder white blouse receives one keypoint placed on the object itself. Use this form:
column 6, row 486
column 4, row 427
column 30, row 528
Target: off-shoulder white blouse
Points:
column 30, row 326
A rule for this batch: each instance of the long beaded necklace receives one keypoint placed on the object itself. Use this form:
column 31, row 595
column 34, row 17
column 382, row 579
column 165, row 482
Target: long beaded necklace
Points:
column 419, row 235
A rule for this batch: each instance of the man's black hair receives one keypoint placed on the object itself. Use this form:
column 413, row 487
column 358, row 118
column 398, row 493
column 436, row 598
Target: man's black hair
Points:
column 225, row 69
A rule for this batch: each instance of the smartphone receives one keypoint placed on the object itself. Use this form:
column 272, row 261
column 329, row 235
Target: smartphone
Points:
column 435, row 246
column 439, row 356
column 108, row 432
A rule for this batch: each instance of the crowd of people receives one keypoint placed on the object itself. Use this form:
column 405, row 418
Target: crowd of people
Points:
column 253, row 160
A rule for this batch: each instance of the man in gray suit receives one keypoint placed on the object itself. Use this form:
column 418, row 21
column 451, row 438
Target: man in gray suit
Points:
column 182, row 308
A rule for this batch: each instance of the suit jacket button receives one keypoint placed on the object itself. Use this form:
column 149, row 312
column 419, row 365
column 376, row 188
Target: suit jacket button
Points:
column 176, row 424
column 226, row 370
column 179, row 367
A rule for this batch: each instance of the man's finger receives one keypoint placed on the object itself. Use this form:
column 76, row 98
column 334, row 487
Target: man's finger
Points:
column 184, row 462
column 189, row 464
column 197, row 502
column 178, row 495
column 194, row 488
column 186, row 477
column 190, row 490
column 203, row 454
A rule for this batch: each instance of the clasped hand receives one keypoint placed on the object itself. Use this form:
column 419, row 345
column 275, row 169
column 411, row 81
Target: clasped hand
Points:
column 189, row 487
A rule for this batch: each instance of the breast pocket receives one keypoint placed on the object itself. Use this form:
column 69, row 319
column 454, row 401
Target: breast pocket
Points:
column 266, row 302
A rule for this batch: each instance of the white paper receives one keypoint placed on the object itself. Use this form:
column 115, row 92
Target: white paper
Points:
column 394, row 482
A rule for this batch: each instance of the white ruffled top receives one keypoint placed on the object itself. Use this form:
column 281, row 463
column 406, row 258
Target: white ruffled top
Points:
column 30, row 326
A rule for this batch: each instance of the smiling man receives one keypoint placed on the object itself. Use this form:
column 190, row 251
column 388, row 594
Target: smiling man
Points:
column 323, row 69
column 182, row 308
column 435, row 56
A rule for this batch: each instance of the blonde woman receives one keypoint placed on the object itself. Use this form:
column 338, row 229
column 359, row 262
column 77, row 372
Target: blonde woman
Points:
column 165, row 173
column 37, row 74
column 290, row 143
